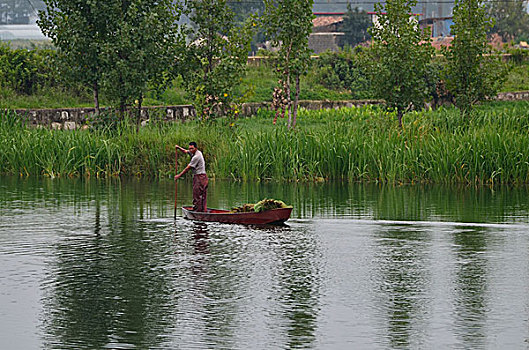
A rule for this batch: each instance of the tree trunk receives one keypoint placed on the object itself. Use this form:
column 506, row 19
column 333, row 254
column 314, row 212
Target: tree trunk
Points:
column 399, row 115
column 122, row 105
column 122, row 101
column 96, row 97
column 289, row 102
column 138, row 113
column 287, row 87
column 295, row 106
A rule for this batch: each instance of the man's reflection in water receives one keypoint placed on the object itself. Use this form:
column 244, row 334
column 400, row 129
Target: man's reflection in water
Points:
column 200, row 243
column 200, row 238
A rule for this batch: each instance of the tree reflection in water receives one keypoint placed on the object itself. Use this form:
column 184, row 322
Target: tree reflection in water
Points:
column 402, row 275
column 105, row 286
column 470, row 286
column 299, row 284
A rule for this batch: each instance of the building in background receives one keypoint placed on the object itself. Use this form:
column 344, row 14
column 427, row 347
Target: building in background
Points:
column 439, row 26
column 326, row 34
column 23, row 13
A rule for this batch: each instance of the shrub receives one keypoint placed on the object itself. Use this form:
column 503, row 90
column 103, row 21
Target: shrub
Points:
column 340, row 70
column 518, row 55
column 26, row 71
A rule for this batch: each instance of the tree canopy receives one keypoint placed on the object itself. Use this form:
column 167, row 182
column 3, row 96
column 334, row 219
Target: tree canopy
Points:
column 398, row 58
column 511, row 20
column 216, row 56
column 470, row 75
column 355, row 26
column 288, row 23
column 120, row 45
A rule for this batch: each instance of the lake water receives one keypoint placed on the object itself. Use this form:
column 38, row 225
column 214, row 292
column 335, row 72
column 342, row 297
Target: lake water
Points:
column 102, row 264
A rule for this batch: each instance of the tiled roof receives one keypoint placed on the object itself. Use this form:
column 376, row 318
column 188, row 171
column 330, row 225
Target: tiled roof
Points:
column 326, row 21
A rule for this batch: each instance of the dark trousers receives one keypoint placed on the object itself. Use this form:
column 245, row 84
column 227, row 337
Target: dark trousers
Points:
column 200, row 192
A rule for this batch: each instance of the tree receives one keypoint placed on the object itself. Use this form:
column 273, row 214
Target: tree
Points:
column 140, row 50
column 355, row 26
column 398, row 58
column 470, row 76
column 244, row 9
column 79, row 29
column 511, row 19
column 120, row 45
column 216, row 56
column 288, row 23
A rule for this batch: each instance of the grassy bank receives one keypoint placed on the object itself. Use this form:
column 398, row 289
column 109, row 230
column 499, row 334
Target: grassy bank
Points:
column 357, row 144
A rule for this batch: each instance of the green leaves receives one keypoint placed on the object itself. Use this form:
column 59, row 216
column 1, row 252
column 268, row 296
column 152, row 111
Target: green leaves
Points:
column 123, row 46
column 26, row 71
column 288, row 24
column 470, row 75
column 398, row 59
column 355, row 26
column 215, row 59
column 511, row 19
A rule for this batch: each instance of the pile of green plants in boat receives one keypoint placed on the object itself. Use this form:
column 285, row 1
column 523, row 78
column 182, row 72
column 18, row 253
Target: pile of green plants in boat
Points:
column 263, row 205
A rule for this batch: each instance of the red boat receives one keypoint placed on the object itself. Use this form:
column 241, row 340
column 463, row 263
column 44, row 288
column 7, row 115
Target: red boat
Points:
column 273, row 216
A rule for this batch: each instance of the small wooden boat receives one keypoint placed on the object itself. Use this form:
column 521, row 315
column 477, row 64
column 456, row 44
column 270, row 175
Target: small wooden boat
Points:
column 273, row 216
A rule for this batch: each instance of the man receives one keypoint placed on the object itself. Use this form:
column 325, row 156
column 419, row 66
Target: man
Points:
column 200, row 179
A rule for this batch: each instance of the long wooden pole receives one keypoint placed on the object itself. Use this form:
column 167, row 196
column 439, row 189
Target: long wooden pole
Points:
column 176, row 181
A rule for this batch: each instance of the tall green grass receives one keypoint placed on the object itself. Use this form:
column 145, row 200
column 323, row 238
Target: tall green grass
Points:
column 354, row 144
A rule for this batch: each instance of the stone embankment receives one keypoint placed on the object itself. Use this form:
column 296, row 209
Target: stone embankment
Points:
column 74, row 118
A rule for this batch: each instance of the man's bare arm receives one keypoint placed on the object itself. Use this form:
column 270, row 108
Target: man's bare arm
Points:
column 183, row 172
column 183, row 150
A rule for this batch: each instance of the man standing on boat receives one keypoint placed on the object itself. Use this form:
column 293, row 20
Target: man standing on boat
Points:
column 200, row 179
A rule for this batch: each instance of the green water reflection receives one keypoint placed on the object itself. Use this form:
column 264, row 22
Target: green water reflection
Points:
column 380, row 202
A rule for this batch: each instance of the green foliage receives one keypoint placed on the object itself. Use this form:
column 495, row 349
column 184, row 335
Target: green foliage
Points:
column 244, row 9
column 398, row 59
column 288, row 23
column 511, row 20
column 263, row 205
column 79, row 29
column 518, row 55
column 342, row 70
column 435, row 86
column 56, row 97
column 215, row 60
column 517, row 79
column 141, row 50
column 269, row 204
column 470, row 75
column 245, row 208
column 355, row 26
column 119, row 45
column 27, row 71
